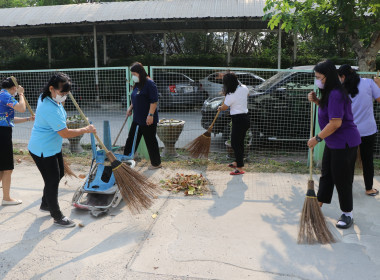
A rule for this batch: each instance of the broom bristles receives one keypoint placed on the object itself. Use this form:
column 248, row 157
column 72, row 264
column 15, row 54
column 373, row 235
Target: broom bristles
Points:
column 200, row 146
column 313, row 227
column 137, row 191
column 67, row 170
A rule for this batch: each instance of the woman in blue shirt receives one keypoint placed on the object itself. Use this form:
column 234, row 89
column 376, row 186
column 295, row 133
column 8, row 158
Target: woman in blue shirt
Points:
column 8, row 105
column 362, row 93
column 144, row 104
column 45, row 144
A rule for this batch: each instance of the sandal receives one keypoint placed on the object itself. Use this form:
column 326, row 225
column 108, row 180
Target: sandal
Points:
column 345, row 219
column 232, row 165
column 237, row 172
column 376, row 192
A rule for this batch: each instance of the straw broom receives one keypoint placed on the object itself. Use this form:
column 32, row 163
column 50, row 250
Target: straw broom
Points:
column 200, row 146
column 313, row 227
column 66, row 166
column 137, row 191
column 121, row 129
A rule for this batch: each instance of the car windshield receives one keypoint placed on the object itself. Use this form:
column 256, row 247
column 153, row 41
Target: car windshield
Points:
column 273, row 81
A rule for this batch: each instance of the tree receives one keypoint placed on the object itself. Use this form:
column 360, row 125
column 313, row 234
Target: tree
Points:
column 359, row 19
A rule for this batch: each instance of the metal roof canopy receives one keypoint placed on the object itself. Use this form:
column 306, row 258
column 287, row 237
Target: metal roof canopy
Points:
column 134, row 17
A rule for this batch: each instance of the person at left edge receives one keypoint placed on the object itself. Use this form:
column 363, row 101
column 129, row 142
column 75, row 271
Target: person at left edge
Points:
column 45, row 145
column 8, row 105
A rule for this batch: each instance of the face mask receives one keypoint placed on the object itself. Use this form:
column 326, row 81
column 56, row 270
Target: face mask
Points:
column 135, row 79
column 319, row 84
column 59, row 98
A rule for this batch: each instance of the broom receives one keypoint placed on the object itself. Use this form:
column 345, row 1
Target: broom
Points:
column 136, row 190
column 313, row 227
column 121, row 129
column 66, row 166
column 200, row 146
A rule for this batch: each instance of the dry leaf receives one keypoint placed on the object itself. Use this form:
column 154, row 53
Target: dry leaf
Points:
column 82, row 176
column 19, row 160
column 154, row 215
column 80, row 225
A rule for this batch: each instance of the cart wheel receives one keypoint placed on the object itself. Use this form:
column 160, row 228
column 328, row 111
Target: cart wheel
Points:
column 78, row 193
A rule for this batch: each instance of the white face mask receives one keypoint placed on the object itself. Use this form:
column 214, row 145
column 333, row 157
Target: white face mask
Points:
column 59, row 98
column 135, row 79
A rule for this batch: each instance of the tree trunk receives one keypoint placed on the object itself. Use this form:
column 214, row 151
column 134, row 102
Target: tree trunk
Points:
column 366, row 54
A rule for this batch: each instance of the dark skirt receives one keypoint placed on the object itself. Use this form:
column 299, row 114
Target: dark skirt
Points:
column 6, row 148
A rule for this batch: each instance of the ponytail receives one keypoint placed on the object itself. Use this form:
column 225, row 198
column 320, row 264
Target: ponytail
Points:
column 351, row 80
column 56, row 81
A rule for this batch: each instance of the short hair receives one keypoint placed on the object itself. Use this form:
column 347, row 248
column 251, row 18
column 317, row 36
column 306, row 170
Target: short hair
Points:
column 230, row 83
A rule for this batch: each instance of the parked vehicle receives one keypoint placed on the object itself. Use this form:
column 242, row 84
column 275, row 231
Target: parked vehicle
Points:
column 213, row 84
column 278, row 108
column 178, row 90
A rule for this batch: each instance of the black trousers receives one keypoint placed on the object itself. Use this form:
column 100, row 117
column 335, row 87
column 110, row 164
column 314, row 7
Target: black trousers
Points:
column 52, row 171
column 240, row 125
column 366, row 154
column 338, row 167
column 6, row 148
column 149, row 133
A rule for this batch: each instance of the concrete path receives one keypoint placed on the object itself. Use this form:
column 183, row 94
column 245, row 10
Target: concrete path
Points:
column 246, row 228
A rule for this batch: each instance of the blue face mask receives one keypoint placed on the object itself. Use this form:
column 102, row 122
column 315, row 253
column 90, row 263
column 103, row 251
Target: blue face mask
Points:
column 319, row 84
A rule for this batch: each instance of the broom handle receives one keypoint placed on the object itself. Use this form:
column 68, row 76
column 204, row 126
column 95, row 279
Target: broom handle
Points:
column 216, row 116
column 121, row 129
column 26, row 101
column 86, row 120
column 311, row 135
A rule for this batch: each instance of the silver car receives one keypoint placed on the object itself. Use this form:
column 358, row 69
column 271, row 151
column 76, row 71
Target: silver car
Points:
column 213, row 84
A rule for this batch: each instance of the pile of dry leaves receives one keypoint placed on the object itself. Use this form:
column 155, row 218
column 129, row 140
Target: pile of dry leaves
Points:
column 189, row 184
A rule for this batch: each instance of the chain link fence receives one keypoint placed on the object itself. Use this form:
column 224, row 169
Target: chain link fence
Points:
column 188, row 102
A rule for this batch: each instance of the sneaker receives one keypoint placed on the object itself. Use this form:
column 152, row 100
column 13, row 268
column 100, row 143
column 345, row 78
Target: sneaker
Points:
column 44, row 209
column 64, row 222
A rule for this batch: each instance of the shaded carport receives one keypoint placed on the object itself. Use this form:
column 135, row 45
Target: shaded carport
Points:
column 134, row 17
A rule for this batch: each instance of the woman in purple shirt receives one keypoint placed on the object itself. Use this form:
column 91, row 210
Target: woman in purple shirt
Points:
column 362, row 92
column 342, row 140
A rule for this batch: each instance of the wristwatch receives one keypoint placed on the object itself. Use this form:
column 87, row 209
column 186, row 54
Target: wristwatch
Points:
column 150, row 115
column 319, row 139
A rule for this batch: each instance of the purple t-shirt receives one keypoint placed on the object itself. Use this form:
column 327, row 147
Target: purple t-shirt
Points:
column 339, row 107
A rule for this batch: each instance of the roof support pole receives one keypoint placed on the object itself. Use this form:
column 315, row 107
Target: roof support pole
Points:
column 228, row 48
column 49, row 51
column 279, row 48
column 165, row 50
column 105, row 49
column 294, row 48
column 96, row 65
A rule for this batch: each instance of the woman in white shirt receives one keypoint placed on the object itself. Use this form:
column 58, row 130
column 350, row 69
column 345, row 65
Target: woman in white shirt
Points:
column 363, row 92
column 236, row 99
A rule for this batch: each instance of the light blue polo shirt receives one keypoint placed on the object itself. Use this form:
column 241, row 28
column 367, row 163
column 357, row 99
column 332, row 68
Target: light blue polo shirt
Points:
column 50, row 118
column 362, row 107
